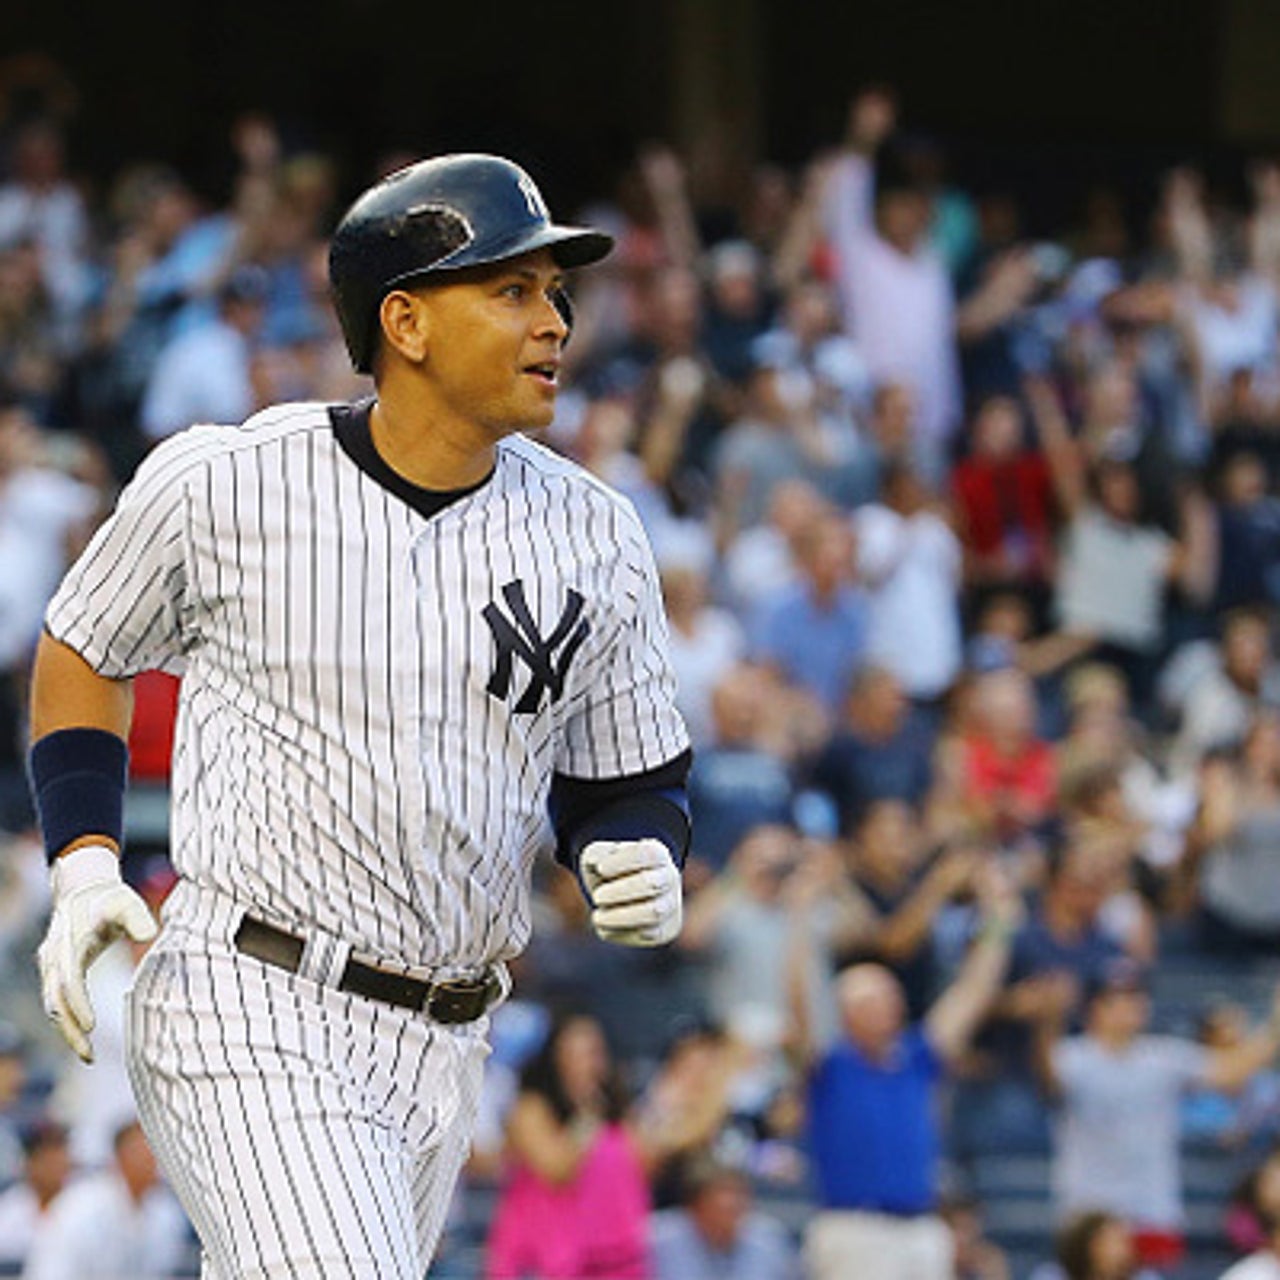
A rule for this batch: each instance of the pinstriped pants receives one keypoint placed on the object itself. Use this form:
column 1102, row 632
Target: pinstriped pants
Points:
column 309, row 1133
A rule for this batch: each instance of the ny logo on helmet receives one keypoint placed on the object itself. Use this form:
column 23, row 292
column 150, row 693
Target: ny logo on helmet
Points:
column 533, row 198
column 518, row 636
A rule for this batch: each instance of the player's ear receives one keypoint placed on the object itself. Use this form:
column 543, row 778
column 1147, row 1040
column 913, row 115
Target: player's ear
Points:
column 404, row 324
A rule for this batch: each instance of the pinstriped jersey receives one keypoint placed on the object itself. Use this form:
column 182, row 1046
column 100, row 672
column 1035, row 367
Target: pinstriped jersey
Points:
column 374, row 701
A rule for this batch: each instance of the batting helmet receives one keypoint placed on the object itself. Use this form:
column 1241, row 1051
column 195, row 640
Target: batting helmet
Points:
column 437, row 216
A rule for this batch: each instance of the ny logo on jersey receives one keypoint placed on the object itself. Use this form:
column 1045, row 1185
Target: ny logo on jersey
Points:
column 517, row 636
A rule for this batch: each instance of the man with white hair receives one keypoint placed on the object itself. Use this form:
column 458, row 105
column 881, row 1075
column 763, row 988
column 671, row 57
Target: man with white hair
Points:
column 871, row 1104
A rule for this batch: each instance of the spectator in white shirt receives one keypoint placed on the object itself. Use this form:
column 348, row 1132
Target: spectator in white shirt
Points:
column 895, row 289
column 1119, row 1088
column 44, row 515
column 910, row 563
column 120, row 1224
column 706, row 641
column 24, row 1205
column 205, row 374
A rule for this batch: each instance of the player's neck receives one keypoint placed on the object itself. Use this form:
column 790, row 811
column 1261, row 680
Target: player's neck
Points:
column 434, row 457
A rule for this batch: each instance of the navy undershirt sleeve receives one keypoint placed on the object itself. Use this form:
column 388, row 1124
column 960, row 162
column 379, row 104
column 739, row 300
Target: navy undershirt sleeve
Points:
column 640, row 806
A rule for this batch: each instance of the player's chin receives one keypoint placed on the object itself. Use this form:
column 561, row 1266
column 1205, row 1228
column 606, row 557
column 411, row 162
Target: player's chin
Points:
column 537, row 410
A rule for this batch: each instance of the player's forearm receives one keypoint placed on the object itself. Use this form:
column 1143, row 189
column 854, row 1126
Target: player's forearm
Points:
column 66, row 692
column 78, row 777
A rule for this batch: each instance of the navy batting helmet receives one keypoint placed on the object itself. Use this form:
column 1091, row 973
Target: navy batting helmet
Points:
column 437, row 216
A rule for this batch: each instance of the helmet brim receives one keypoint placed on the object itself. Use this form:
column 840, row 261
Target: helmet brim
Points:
column 571, row 247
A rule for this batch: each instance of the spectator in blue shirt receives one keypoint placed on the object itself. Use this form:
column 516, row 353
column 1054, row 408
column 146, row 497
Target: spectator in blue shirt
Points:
column 879, row 752
column 717, row 1234
column 814, row 632
column 737, row 782
column 872, row 1103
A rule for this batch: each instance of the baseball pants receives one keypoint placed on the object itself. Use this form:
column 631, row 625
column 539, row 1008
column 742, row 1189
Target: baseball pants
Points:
column 852, row 1245
column 309, row 1133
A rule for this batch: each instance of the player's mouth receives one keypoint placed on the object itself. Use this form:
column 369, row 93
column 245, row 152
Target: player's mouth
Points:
column 546, row 372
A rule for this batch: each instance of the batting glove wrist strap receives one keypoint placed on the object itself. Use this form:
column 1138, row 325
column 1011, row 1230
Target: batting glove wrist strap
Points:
column 92, row 907
column 635, row 891
column 78, row 779
column 91, row 864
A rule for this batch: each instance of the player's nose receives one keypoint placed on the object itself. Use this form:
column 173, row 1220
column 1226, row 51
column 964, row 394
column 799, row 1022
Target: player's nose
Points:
column 550, row 320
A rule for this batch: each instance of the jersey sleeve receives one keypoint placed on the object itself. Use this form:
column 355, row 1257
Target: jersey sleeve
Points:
column 627, row 722
column 122, row 605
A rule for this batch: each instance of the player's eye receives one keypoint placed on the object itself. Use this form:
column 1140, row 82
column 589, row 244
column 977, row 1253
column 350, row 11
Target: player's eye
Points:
column 516, row 290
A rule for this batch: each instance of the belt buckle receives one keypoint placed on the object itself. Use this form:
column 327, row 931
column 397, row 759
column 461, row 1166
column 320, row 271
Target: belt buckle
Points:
column 458, row 999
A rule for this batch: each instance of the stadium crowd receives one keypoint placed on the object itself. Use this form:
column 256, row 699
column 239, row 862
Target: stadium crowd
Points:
column 970, row 545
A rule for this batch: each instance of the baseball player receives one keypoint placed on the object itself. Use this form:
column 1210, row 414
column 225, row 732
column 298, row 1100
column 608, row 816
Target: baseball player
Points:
column 408, row 635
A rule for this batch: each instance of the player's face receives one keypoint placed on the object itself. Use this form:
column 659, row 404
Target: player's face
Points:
column 493, row 350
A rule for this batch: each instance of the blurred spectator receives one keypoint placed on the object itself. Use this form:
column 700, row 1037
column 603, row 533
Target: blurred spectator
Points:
column 706, row 641
column 1004, row 503
column 1218, row 1118
column 717, row 1234
column 976, row 1257
column 1003, row 633
column 574, row 1203
column 687, row 402
column 763, row 559
column 1253, row 1204
column 906, row 891
column 1228, row 869
column 909, row 562
column 1248, row 535
column 953, row 226
column 998, row 288
column 1224, row 687
column 1119, row 1088
column 808, row 342
column 684, row 1111
column 1065, row 934
column 25, row 1204
column 205, row 373
column 40, row 205
column 1116, row 561
column 739, row 779
column 879, row 750
column 1102, row 737
column 737, row 307
column 739, row 924
column 1120, row 422
column 814, row 633
column 14, row 1075
column 1057, row 953
column 119, row 1224
column 45, row 517
column 1095, row 1245
column 29, row 365
column 895, row 289
column 1004, row 776
column 871, row 1104
column 778, row 438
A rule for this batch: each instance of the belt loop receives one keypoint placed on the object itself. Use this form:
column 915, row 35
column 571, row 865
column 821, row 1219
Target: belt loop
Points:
column 324, row 959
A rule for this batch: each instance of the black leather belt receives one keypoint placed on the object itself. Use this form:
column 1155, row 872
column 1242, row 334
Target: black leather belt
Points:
column 450, row 1000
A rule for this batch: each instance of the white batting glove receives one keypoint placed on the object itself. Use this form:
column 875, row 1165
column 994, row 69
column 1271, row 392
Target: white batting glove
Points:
column 635, row 890
column 92, row 907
